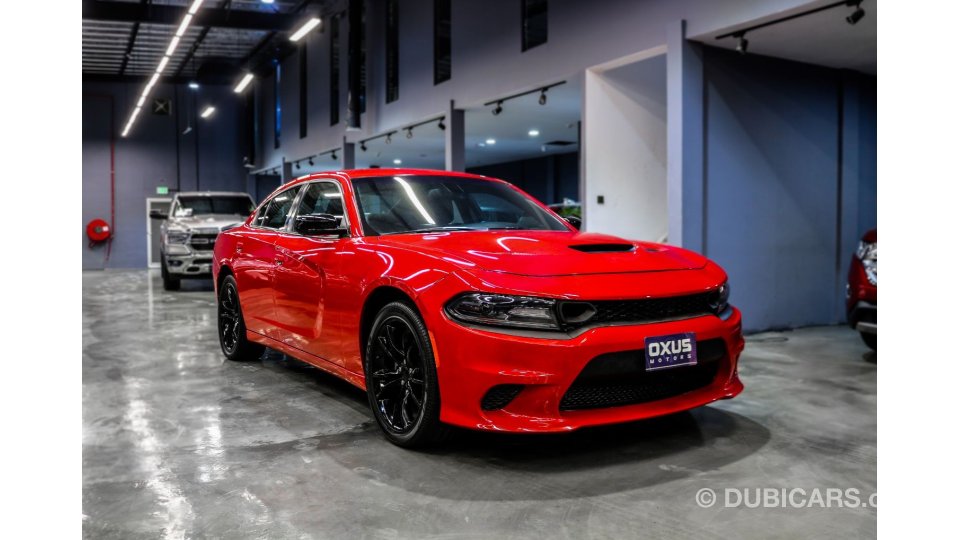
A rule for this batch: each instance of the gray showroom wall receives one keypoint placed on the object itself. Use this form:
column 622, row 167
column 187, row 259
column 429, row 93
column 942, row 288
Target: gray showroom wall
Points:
column 487, row 61
column 149, row 158
column 789, row 183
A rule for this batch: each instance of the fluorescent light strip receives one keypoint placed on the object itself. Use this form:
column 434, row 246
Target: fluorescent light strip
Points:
column 307, row 26
column 194, row 7
column 184, row 24
column 243, row 83
column 173, row 45
column 207, row 112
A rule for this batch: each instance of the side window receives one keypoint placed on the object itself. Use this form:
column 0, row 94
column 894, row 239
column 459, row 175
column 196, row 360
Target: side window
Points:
column 322, row 198
column 273, row 215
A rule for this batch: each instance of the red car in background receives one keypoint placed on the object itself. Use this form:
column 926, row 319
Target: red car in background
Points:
column 456, row 299
column 862, row 290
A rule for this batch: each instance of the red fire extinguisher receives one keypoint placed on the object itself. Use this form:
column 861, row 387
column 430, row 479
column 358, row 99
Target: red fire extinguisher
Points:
column 98, row 231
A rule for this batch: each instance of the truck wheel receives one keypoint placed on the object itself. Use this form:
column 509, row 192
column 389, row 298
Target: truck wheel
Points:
column 169, row 283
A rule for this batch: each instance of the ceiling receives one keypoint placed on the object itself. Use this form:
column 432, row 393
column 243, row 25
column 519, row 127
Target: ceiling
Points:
column 127, row 38
column 824, row 38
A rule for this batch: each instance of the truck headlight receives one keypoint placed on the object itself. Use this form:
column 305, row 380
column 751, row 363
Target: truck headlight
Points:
column 177, row 237
column 504, row 310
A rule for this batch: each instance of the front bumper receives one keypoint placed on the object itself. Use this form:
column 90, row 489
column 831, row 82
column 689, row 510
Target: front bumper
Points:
column 471, row 361
column 189, row 263
column 863, row 317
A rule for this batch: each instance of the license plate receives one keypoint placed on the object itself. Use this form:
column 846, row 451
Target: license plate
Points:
column 675, row 350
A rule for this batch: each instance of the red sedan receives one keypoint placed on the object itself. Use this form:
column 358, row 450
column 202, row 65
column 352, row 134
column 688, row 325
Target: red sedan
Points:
column 456, row 299
column 862, row 289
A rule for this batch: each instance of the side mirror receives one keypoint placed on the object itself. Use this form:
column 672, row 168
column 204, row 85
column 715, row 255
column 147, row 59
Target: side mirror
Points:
column 158, row 214
column 314, row 224
column 575, row 221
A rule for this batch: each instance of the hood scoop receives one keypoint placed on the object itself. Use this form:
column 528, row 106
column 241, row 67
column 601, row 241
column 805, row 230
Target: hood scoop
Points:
column 603, row 248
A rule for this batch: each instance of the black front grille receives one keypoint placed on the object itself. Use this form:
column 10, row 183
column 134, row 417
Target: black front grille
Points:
column 500, row 396
column 203, row 242
column 652, row 309
column 616, row 379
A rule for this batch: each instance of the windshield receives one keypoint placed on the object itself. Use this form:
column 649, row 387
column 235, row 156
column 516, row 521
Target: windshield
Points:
column 205, row 204
column 412, row 204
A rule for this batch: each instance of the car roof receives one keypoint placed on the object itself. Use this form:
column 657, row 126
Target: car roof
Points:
column 213, row 194
column 385, row 173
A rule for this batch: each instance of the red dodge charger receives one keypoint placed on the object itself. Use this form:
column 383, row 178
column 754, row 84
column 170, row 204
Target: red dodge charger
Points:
column 456, row 299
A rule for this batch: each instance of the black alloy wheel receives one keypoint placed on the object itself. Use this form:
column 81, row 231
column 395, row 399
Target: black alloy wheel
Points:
column 401, row 377
column 233, row 333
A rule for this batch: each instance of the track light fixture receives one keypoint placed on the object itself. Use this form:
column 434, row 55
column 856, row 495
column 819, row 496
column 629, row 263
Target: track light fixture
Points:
column 740, row 33
column 409, row 132
column 333, row 155
column 542, row 99
column 742, row 43
column 389, row 139
column 363, row 146
column 857, row 14
column 298, row 165
column 441, row 125
column 310, row 161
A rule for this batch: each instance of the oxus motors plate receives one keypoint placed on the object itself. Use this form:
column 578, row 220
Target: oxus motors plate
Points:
column 663, row 352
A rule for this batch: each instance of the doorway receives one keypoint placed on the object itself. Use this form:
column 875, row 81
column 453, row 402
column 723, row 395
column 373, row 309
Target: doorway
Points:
column 161, row 204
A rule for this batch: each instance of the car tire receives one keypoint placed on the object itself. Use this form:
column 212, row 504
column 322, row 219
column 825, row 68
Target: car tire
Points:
column 869, row 339
column 170, row 283
column 230, row 325
column 401, row 378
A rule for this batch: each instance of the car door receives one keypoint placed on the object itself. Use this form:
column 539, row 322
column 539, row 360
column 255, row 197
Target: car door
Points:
column 306, row 275
column 255, row 263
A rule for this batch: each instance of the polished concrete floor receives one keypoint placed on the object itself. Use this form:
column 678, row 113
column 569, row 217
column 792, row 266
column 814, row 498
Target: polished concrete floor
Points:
column 180, row 443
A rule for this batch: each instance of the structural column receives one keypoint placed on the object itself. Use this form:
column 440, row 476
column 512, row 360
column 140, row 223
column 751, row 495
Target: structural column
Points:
column 686, row 204
column 848, row 185
column 286, row 171
column 455, row 139
column 348, row 156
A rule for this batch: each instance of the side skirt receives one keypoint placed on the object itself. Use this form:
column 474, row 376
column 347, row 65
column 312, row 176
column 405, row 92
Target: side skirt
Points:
column 320, row 363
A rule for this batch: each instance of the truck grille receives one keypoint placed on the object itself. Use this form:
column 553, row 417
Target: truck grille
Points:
column 203, row 242
column 617, row 379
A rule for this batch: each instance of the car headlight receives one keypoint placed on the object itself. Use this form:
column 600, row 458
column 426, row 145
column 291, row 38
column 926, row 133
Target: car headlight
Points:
column 177, row 237
column 867, row 253
column 504, row 310
column 720, row 299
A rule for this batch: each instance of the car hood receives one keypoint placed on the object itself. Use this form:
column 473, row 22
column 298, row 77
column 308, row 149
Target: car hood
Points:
column 547, row 253
column 208, row 221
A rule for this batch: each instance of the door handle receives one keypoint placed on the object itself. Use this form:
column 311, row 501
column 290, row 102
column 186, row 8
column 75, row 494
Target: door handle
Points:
column 278, row 261
column 239, row 247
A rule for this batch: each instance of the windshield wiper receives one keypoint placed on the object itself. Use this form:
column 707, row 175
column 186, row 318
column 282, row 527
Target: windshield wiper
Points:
column 505, row 228
column 430, row 230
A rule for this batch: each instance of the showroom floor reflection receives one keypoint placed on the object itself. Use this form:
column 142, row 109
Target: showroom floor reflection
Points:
column 179, row 442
